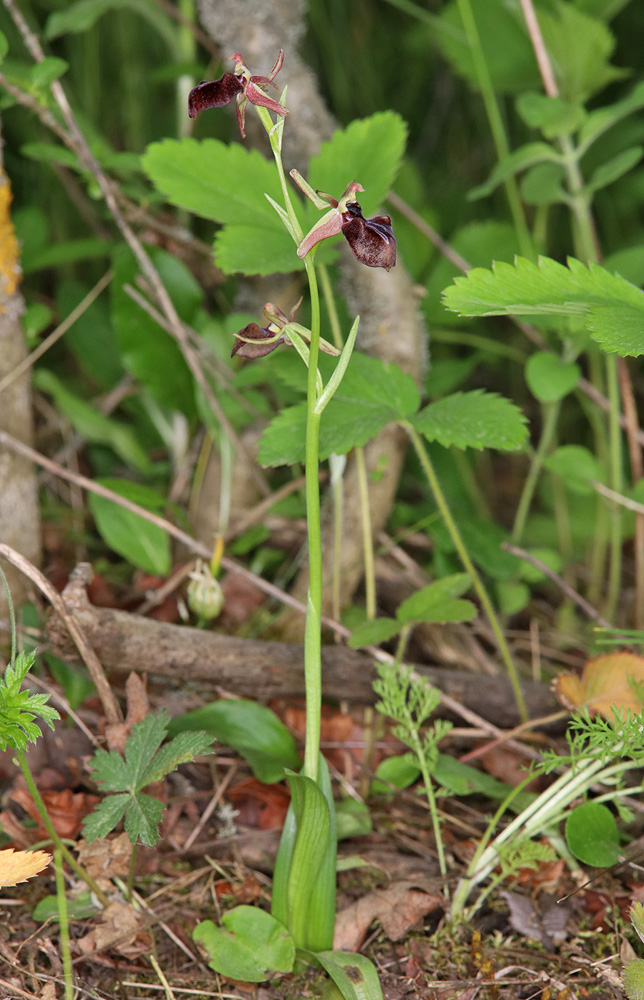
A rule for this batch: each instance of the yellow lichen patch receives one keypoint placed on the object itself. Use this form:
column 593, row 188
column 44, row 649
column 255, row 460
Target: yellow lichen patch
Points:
column 9, row 254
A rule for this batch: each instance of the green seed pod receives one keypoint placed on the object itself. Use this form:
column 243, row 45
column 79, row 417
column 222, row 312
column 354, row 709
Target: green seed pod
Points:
column 205, row 596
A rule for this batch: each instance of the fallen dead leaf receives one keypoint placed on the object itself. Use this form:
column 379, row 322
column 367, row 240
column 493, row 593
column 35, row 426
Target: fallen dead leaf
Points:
column 120, row 931
column 138, row 707
column 66, row 809
column 104, row 859
column 611, row 679
column 546, row 925
column 18, row 866
column 397, row 908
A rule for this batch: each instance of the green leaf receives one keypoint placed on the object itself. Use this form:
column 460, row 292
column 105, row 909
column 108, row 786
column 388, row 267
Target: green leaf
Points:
column 374, row 632
column 592, row 835
column 577, row 466
column 615, row 168
column 142, row 818
column 372, row 394
column 520, row 159
column 182, row 749
column 580, row 48
column 105, row 817
column 552, row 115
column 541, row 185
column 633, row 979
column 80, row 16
column 256, row 249
column 398, row 771
column 600, row 120
column 369, row 150
column 475, row 419
column 4, row 45
column 437, row 602
column 93, row 425
column 78, row 908
column 19, row 709
column 49, row 152
column 253, row 730
column 249, row 946
column 610, row 305
column 49, row 69
column 69, row 252
column 617, row 329
column 312, row 817
column 549, row 378
column 148, row 352
column 143, row 544
column 354, row 975
column 353, row 819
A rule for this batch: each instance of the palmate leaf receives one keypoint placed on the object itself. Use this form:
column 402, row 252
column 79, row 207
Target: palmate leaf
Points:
column 612, row 308
column 475, row 419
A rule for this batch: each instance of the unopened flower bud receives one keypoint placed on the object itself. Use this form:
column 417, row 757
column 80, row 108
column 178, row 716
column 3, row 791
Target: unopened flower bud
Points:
column 205, row 596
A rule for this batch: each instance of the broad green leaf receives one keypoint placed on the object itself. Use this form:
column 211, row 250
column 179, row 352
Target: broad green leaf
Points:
column 142, row 818
column 549, row 378
column 550, row 557
column 371, row 395
column 50, row 152
column 4, row 45
column 91, row 339
column 580, row 48
column 78, row 908
column 253, row 730
column 374, row 632
column 577, row 466
column 615, row 168
column 610, row 305
column 628, row 262
column 353, row 819
column 606, row 10
column 483, row 538
column 147, row 351
column 105, row 816
column 250, row 945
column 600, row 120
column 93, row 425
column 256, row 249
column 141, row 543
column 314, row 835
column 437, row 602
column 399, row 771
column 552, row 115
column 522, row 158
column 354, row 975
column 617, row 329
column 369, row 150
column 512, row 596
column 475, row 419
column 592, row 835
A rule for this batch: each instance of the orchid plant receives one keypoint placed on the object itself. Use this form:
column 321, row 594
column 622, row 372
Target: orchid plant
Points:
column 303, row 900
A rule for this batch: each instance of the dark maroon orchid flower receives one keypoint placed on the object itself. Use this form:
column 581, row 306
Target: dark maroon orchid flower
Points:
column 256, row 341
column 239, row 85
column 372, row 241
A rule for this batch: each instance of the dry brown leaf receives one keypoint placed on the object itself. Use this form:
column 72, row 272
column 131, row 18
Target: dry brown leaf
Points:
column 18, row 866
column 105, row 859
column 397, row 908
column 611, row 679
column 119, row 930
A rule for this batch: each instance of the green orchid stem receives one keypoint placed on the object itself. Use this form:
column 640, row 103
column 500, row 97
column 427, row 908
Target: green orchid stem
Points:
column 130, row 874
column 431, row 799
column 548, row 430
column 49, row 827
column 464, row 556
column 63, row 919
column 312, row 630
column 496, row 124
column 367, row 537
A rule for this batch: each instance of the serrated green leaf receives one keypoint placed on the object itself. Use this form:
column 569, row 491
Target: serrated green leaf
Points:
column 111, row 772
column 143, row 544
column 617, row 329
column 438, row 599
column 615, row 168
column 142, row 818
column 609, row 304
column 92, row 424
column 580, row 48
column 549, row 378
column 147, row 736
column 183, row 748
column 369, row 150
column 475, row 419
column 105, row 816
column 374, row 632
column 371, row 395
column 522, row 158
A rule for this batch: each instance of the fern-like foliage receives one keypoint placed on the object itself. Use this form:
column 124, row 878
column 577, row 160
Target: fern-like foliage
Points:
column 19, row 709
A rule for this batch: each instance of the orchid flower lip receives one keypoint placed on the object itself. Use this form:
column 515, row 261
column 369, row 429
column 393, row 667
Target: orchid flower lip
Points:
column 240, row 85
